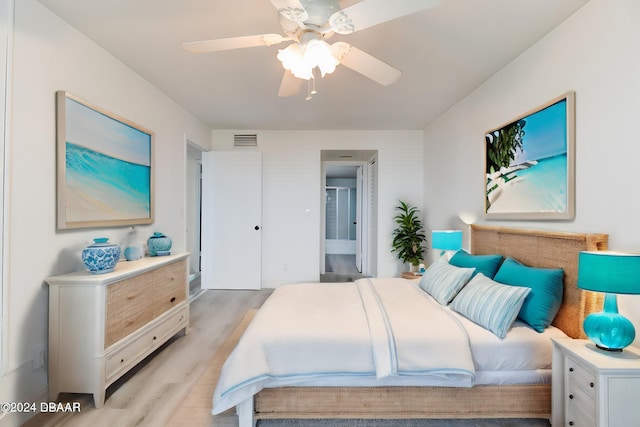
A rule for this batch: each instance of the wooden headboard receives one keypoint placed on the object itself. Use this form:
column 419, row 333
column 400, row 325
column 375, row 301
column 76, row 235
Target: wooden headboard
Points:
column 548, row 249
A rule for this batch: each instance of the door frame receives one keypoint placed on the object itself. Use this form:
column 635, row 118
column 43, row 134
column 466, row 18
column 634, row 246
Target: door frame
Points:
column 193, row 210
column 362, row 216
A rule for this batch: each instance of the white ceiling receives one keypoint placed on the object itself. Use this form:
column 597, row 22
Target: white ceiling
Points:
column 444, row 53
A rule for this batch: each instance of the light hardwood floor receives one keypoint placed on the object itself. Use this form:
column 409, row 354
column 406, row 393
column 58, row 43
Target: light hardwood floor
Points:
column 148, row 395
column 340, row 268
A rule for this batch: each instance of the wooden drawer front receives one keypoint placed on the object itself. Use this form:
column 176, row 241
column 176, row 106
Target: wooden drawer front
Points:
column 134, row 302
column 128, row 308
column 123, row 359
column 169, row 287
column 169, row 327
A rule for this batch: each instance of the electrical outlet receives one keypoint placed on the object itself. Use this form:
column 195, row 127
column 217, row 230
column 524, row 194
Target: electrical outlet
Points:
column 39, row 357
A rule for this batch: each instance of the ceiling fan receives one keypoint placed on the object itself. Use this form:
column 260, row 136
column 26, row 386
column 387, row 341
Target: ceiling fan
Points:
column 309, row 23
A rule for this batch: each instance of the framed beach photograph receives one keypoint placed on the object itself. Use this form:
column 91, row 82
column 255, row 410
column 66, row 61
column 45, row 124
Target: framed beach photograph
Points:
column 530, row 164
column 104, row 167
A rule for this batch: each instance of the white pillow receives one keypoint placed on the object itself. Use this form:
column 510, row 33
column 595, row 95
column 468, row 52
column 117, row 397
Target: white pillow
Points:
column 443, row 281
column 490, row 304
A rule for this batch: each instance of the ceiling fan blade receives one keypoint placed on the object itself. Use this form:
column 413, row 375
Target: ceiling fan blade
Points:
column 291, row 9
column 216, row 45
column 290, row 84
column 365, row 64
column 368, row 13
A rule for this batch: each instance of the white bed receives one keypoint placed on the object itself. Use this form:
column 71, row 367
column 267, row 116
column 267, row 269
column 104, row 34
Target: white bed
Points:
column 320, row 341
column 342, row 337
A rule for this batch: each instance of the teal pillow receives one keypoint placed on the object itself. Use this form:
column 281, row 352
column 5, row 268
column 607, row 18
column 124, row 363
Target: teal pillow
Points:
column 443, row 281
column 491, row 305
column 543, row 302
column 485, row 264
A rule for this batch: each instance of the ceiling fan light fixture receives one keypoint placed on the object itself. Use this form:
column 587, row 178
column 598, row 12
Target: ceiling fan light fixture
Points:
column 318, row 54
column 301, row 59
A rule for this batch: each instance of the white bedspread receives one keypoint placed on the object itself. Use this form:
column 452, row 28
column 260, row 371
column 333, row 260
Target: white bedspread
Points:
column 377, row 329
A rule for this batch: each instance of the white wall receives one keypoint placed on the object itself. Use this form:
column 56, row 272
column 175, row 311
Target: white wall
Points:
column 594, row 53
column 292, row 191
column 49, row 55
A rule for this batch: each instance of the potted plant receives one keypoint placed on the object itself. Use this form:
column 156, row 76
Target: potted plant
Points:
column 408, row 237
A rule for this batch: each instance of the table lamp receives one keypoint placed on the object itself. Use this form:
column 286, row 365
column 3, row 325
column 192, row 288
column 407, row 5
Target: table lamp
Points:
column 612, row 273
column 446, row 240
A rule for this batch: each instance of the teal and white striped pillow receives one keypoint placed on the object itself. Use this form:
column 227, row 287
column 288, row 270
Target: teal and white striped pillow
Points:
column 491, row 305
column 443, row 281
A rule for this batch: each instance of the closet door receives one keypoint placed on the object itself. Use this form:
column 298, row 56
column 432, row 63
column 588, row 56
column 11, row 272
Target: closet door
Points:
column 231, row 220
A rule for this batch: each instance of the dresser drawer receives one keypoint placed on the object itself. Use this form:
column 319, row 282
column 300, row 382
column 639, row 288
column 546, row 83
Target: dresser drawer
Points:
column 122, row 359
column 169, row 287
column 168, row 327
column 128, row 308
column 136, row 301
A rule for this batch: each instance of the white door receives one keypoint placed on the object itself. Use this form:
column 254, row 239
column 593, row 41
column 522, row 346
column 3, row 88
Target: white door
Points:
column 231, row 220
column 359, row 195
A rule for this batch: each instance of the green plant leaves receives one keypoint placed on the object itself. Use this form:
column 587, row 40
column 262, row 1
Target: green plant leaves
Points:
column 408, row 236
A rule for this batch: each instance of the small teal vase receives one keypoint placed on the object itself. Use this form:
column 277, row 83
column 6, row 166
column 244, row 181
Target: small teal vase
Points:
column 134, row 252
column 159, row 244
column 101, row 256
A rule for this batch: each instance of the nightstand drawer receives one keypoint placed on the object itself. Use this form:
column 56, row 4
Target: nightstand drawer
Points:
column 579, row 377
column 576, row 418
column 579, row 401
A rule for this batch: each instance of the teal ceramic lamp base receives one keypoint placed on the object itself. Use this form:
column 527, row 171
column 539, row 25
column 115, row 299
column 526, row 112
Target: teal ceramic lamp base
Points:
column 608, row 329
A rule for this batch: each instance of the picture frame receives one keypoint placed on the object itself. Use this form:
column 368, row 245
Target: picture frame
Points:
column 105, row 172
column 530, row 164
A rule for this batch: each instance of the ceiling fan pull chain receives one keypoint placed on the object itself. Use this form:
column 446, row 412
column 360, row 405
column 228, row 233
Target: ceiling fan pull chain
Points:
column 309, row 96
column 311, row 86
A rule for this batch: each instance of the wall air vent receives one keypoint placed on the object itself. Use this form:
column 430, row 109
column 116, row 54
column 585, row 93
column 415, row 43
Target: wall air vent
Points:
column 245, row 140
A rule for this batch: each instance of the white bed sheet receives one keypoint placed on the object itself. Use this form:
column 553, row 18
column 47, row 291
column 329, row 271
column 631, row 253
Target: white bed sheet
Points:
column 522, row 357
column 355, row 333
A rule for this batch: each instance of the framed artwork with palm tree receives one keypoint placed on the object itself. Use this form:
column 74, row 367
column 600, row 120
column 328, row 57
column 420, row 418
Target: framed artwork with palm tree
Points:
column 530, row 164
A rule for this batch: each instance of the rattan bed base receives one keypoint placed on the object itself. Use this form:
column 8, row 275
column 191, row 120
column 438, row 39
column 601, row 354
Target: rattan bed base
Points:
column 545, row 249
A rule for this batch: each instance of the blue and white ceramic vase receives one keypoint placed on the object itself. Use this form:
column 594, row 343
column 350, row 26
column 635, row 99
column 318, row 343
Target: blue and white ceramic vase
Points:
column 159, row 244
column 101, row 256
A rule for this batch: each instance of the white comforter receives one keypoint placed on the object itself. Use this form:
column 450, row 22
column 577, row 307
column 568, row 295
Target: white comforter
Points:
column 381, row 328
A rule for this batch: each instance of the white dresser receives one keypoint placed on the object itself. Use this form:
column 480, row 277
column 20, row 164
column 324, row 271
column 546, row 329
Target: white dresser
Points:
column 102, row 325
column 593, row 387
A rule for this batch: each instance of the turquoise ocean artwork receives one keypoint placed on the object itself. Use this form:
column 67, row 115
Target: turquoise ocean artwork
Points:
column 108, row 167
column 527, row 165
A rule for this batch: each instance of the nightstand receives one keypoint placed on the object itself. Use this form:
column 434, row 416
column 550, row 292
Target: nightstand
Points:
column 410, row 275
column 593, row 387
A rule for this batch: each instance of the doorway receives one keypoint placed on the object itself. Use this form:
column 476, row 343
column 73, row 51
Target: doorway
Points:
column 193, row 194
column 348, row 210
